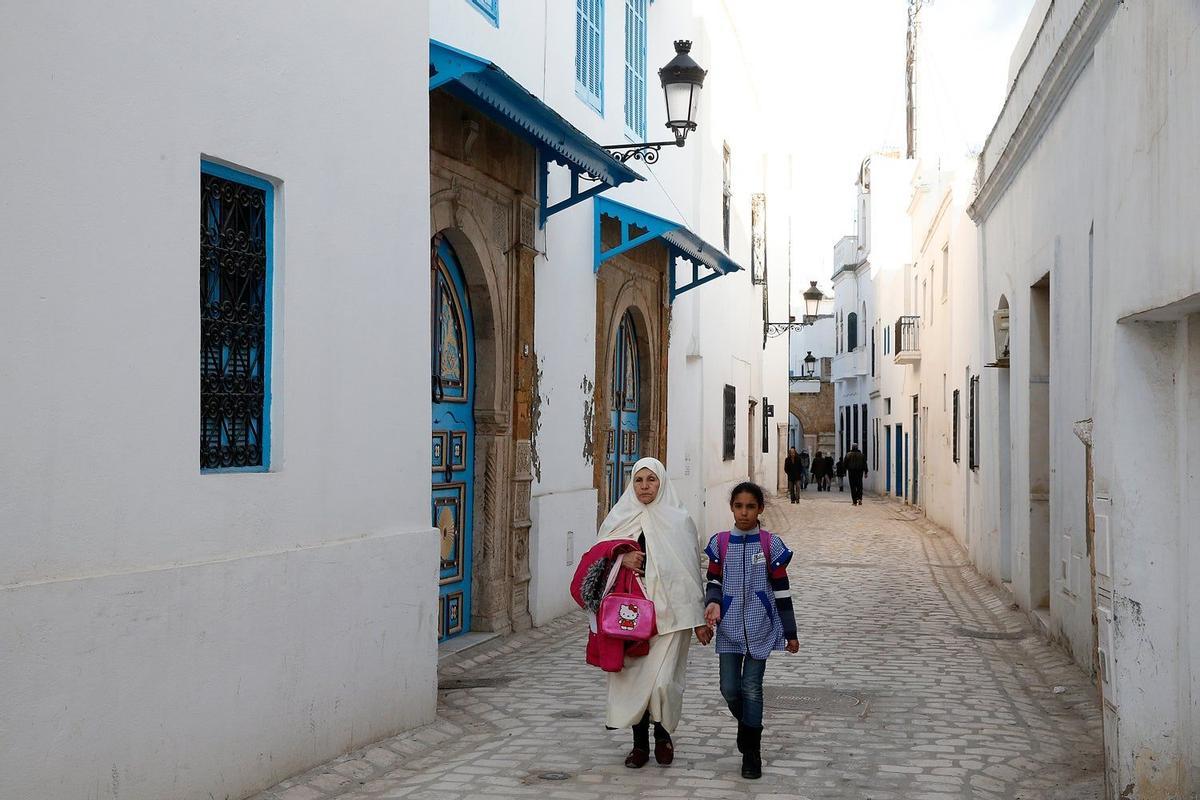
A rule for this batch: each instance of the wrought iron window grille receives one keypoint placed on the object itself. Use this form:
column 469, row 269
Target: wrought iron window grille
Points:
column 234, row 287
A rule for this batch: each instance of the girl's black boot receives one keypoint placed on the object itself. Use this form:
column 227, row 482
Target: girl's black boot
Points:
column 752, row 755
column 741, row 740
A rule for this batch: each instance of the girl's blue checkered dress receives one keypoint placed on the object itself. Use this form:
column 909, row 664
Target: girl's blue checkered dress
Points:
column 751, row 622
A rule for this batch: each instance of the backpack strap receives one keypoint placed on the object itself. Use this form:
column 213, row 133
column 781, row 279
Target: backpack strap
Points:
column 723, row 545
column 774, row 570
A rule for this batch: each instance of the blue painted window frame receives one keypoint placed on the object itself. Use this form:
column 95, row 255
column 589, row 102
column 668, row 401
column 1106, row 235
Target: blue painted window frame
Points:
column 635, row 69
column 589, row 53
column 489, row 9
column 268, row 188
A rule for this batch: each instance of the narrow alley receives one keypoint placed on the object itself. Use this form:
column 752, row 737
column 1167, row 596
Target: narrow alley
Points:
column 914, row 680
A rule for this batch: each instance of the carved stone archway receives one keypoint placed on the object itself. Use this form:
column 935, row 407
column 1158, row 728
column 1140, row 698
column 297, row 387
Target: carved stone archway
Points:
column 636, row 283
column 486, row 209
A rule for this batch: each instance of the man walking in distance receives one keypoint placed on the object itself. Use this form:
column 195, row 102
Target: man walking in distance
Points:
column 804, row 470
column 856, row 468
column 791, row 468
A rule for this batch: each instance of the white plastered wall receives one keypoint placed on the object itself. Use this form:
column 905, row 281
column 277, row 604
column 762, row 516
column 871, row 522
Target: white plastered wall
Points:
column 191, row 635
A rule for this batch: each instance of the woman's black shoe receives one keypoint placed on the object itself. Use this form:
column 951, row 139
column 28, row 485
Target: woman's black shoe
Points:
column 638, row 758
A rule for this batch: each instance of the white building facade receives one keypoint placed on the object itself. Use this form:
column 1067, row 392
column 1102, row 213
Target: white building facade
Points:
column 869, row 268
column 218, row 564
column 1086, row 212
column 288, row 520
column 616, row 364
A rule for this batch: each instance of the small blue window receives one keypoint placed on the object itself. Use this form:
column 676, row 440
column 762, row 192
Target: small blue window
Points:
column 490, row 9
column 635, row 68
column 236, row 250
column 589, row 52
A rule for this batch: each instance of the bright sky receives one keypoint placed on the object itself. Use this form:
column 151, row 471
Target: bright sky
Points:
column 834, row 71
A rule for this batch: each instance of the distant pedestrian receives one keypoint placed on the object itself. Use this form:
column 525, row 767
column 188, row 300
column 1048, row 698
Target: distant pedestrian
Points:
column 818, row 470
column 841, row 474
column 804, row 465
column 793, row 470
column 744, row 565
column 856, row 468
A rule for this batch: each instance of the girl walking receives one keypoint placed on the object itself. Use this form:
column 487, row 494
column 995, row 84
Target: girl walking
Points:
column 748, row 600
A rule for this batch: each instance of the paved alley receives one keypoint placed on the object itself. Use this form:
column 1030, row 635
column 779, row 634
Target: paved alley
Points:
column 914, row 680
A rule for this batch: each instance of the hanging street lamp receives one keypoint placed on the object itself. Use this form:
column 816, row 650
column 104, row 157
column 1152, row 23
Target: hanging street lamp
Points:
column 810, row 366
column 812, row 308
column 682, row 79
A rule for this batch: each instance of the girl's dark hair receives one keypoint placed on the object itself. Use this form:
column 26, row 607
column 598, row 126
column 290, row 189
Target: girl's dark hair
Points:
column 751, row 488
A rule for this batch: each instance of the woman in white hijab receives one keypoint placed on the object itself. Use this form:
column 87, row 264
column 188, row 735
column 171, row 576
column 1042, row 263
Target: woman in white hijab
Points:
column 650, row 688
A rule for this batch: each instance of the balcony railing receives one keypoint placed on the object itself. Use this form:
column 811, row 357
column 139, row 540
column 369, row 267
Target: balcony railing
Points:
column 907, row 340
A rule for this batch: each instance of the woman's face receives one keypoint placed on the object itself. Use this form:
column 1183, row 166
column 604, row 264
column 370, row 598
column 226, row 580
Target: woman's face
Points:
column 645, row 486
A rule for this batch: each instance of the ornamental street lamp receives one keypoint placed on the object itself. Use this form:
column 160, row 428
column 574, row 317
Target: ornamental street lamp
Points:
column 812, row 307
column 682, row 79
column 810, row 366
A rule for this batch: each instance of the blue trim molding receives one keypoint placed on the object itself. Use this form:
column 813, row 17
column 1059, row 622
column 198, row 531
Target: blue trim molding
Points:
column 489, row 8
column 639, row 227
column 485, row 86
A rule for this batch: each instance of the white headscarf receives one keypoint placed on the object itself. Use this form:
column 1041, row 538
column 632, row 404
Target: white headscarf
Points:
column 672, row 549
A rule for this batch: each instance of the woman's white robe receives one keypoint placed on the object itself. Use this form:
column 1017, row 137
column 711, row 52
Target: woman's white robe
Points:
column 673, row 583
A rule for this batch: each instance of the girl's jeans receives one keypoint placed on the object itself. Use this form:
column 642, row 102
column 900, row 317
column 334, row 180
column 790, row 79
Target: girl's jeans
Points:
column 742, row 687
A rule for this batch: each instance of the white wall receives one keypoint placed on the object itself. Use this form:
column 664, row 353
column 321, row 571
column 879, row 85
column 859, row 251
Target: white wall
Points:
column 187, row 635
column 1101, row 197
column 716, row 330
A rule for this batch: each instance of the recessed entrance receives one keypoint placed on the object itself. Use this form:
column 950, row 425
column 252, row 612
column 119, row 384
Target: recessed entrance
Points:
column 623, row 444
column 1039, row 443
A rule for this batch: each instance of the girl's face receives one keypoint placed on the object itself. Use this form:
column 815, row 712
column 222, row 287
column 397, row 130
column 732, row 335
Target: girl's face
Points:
column 745, row 509
column 645, row 486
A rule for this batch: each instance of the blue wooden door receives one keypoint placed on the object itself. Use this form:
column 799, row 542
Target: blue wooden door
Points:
column 887, row 467
column 453, row 446
column 623, row 445
column 899, row 461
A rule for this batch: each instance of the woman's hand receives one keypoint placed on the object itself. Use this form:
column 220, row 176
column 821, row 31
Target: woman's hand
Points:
column 635, row 561
column 704, row 634
column 712, row 614
column 793, row 646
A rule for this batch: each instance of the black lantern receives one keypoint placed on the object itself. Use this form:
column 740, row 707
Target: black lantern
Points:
column 682, row 79
column 812, row 300
column 810, row 366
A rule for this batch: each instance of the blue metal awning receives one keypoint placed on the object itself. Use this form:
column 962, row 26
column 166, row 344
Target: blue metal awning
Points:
column 484, row 85
column 639, row 227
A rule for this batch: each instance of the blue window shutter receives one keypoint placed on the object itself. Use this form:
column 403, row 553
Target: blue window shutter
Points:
column 635, row 68
column 589, row 52
column 490, row 9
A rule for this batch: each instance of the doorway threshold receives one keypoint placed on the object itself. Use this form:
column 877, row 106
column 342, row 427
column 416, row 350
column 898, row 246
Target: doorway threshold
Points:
column 465, row 642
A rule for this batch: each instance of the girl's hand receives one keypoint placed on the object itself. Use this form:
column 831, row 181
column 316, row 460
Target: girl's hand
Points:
column 635, row 562
column 704, row 634
column 712, row 614
column 793, row 646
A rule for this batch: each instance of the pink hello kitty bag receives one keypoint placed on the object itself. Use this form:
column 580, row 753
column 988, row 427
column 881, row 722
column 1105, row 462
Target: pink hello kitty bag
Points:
column 623, row 615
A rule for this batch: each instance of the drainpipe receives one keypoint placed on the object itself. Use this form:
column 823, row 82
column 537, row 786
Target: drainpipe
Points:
column 1083, row 430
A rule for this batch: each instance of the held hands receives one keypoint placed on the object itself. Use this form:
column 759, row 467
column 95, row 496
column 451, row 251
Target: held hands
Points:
column 793, row 646
column 712, row 617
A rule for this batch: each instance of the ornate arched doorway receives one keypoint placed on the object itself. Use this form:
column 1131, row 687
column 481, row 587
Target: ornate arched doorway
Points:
column 623, row 442
column 452, row 456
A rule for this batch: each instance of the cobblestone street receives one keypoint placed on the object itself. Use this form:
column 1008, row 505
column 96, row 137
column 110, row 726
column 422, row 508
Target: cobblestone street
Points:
column 914, row 680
